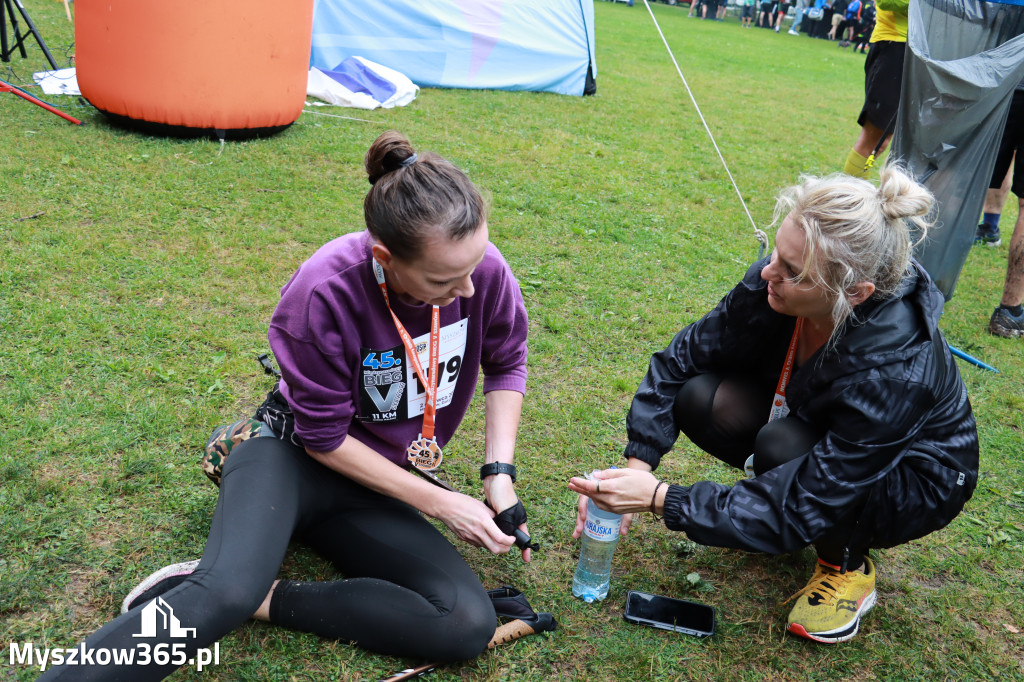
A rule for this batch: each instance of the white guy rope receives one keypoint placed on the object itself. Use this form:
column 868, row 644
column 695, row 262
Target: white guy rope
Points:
column 759, row 234
column 347, row 118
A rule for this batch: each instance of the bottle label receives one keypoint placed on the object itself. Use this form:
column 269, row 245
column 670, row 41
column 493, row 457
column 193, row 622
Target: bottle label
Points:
column 604, row 530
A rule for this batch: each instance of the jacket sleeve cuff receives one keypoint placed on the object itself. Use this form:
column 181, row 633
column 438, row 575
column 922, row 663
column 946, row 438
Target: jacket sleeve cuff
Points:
column 644, row 453
column 675, row 499
column 512, row 381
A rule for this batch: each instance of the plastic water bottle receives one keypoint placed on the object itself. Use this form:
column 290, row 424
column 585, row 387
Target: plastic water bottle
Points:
column 594, row 571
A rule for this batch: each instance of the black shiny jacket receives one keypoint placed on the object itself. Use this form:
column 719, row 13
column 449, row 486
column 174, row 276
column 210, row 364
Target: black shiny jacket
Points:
column 899, row 458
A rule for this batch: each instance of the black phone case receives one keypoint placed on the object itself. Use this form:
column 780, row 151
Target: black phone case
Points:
column 683, row 628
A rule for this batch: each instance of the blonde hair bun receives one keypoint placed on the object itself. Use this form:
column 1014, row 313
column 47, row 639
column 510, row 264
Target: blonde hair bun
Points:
column 900, row 197
column 857, row 232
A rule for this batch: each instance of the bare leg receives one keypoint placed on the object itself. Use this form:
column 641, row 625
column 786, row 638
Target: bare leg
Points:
column 1013, row 288
column 869, row 136
column 263, row 612
column 995, row 199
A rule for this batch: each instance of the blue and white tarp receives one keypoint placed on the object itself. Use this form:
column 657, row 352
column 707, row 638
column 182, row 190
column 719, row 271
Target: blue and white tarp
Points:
column 539, row 45
column 360, row 83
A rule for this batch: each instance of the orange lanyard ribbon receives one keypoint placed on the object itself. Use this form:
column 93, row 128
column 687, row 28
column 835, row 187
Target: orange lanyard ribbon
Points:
column 424, row 451
column 779, row 407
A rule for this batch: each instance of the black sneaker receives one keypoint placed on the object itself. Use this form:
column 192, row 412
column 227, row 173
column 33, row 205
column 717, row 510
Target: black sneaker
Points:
column 1006, row 324
column 157, row 583
column 987, row 235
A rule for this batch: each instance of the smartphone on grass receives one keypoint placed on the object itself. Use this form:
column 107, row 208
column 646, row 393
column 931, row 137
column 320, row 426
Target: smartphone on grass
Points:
column 677, row 615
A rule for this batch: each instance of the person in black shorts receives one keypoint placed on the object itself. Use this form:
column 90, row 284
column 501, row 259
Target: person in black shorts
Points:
column 883, row 79
column 1008, row 319
column 780, row 14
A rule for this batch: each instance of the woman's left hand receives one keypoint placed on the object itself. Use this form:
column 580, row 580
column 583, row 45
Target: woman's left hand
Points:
column 501, row 494
column 502, row 410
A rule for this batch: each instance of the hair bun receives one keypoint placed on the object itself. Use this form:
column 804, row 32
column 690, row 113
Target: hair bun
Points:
column 389, row 152
column 900, row 196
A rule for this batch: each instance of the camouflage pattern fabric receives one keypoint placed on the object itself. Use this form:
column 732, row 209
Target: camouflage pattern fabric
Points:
column 223, row 440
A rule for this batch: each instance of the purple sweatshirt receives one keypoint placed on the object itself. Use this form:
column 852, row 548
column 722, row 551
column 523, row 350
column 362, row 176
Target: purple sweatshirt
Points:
column 343, row 363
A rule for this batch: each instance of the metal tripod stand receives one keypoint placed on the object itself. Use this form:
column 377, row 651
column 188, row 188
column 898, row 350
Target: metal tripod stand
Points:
column 7, row 48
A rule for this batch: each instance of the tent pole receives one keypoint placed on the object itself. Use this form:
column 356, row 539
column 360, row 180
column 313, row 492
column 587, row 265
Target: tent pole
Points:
column 974, row 361
column 14, row 90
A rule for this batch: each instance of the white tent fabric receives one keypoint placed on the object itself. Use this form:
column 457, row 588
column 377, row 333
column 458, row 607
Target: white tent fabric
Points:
column 540, row 45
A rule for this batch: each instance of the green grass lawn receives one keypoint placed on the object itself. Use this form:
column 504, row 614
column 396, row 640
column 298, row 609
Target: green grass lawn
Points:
column 138, row 274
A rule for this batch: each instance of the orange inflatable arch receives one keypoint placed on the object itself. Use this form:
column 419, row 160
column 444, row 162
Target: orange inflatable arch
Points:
column 193, row 67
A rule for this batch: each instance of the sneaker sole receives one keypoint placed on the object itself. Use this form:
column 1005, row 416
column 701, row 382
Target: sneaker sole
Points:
column 184, row 568
column 842, row 634
column 1005, row 332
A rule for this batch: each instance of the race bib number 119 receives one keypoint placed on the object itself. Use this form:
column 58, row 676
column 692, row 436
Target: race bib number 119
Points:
column 389, row 389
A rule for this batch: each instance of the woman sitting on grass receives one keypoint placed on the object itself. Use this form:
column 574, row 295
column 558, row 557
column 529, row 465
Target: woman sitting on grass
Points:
column 422, row 281
column 826, row 363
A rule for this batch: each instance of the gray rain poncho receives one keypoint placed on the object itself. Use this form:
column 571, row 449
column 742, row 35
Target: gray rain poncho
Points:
column 964, row 59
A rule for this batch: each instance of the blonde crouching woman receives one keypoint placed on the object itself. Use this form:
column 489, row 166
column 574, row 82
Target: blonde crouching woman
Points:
column 823, row 373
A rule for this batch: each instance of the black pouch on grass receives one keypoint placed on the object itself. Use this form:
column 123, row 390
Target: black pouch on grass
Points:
column 510, row 603
column 277, row 414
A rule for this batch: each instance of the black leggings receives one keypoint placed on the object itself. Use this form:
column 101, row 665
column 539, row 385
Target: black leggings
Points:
column 408, row 592
column 727, row 417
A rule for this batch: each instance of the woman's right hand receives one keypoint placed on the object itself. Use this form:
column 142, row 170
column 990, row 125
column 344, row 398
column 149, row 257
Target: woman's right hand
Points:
column 581, row 519
column 587, row 489
column 469, row 518
column 473, row 521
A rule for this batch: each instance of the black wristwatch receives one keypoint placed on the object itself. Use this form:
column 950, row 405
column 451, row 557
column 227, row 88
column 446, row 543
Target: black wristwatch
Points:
column 498, row 468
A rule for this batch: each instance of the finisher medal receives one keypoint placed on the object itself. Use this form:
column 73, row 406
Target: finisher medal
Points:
column 425, row 453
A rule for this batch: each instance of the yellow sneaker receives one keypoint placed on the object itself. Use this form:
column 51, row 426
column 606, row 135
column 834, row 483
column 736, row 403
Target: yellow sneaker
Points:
column 829, row 609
